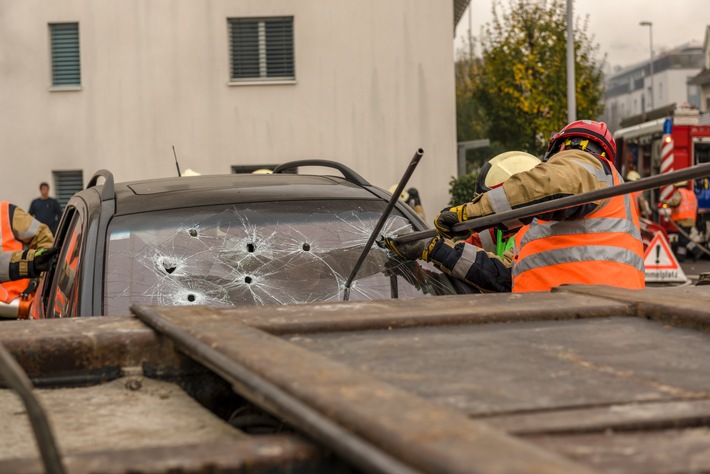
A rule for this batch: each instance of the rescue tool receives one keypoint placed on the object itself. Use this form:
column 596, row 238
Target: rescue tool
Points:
column 485, row 222
column 385, row 214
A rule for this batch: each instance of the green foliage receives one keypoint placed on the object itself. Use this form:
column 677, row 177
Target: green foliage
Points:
column 516, row 92
column 462, row 189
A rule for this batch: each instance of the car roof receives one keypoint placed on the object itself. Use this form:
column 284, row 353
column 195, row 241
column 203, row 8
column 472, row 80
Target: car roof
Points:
column 191, row 191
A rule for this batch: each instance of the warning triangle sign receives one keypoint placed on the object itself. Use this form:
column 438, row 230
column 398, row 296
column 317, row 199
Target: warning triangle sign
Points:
column 661, row 265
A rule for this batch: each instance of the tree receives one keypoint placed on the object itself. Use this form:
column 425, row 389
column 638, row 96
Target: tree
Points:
column 519, row 86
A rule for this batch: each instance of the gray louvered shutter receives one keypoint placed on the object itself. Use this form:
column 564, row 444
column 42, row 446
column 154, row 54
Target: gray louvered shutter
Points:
column 66, row 64
column 66, row 183
column 279, row 47
column 261, row 48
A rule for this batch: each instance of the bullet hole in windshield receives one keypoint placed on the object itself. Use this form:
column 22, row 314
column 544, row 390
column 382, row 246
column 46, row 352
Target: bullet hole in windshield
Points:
column 247, row 280
column 193, row 232
column 191, row 298
column 251, row 248
column 306, row 247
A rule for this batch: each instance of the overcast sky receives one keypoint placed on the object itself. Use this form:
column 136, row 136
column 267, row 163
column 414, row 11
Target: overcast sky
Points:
column 615, row 25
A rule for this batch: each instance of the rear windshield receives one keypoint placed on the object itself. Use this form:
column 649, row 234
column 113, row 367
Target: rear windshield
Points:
column 257, row 254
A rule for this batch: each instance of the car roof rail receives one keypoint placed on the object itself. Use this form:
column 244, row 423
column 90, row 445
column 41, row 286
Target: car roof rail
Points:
column 349, row 174
column 108, row 191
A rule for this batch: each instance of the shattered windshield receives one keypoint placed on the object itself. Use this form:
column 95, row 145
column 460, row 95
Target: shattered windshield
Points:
column 257, row 254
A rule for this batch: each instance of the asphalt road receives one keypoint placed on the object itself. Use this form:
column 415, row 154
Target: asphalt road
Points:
column 693, row 269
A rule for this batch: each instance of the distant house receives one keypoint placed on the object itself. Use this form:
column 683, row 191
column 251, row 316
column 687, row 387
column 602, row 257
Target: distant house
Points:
column 628, row 92
column 702, row 80
column 233, row 85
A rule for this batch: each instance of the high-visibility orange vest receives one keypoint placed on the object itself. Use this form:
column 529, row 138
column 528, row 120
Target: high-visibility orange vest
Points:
column 688, row 207
column 10, row 289
column 603, row 248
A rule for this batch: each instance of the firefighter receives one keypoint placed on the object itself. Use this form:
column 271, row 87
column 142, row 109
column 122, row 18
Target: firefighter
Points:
column 484, row 259
column 684, row 210
column 637, row 198
column 594, row 243
column 26, row 252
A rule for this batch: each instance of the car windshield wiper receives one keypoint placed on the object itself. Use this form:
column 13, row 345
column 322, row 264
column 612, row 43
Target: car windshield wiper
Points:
column 385, row 214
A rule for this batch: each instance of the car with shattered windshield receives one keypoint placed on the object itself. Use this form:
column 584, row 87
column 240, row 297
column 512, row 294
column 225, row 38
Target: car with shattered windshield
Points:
column 229, row 240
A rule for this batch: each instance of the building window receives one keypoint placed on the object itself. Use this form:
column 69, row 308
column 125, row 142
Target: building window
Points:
column 66, row 183
column 66, row 64
column 261, row 49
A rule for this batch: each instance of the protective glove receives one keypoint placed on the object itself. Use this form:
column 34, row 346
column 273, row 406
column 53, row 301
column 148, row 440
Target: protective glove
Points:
column 416, row 249
column 447, row 218
column 42, row 261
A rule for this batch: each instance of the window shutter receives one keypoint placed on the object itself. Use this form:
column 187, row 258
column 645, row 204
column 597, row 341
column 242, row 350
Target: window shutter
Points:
column 66, row 65
column 66, row 183
column 261, row 48
column 279, row 47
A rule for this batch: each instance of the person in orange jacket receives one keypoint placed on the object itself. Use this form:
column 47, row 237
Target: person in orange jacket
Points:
column 26, row 252
column 594, row 243
column 684, row 212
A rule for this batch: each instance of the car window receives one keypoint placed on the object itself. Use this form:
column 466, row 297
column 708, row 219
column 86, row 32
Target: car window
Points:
column 257, row 254
column 66, row 273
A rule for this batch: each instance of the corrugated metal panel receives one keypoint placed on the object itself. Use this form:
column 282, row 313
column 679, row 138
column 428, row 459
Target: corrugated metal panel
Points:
column 67, row 183
column 66, row 64
column 261, row 48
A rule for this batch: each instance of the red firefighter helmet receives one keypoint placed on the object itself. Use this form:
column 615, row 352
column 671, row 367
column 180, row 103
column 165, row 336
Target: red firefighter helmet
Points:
column 586, row 135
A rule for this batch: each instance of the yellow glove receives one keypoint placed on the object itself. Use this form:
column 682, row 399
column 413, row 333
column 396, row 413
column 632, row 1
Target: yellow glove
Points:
column 447, row 218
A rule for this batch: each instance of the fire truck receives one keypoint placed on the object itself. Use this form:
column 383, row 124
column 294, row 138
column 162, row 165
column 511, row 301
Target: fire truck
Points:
column 660, row 145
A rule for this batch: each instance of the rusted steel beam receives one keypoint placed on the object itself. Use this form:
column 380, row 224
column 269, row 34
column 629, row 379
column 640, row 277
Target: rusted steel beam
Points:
column 421, row 312
column 374, row 425
column 263, row 454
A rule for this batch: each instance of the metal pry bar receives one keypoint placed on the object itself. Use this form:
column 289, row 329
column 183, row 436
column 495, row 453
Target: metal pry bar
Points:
column 385, row 214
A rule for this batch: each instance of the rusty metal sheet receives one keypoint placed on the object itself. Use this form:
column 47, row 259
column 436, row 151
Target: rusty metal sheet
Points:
column 531, row 366
column 644, row 452
column 80, row 351
column 687, row 306
column 262, row 455
column 349, row 411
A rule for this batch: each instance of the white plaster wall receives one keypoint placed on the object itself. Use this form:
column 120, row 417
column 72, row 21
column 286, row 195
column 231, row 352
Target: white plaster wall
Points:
column 374, row 83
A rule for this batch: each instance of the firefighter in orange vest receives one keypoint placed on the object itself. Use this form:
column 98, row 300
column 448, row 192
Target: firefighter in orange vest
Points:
column 684, row 211
column 594, row 243
column 484, row 259
column 26, row 252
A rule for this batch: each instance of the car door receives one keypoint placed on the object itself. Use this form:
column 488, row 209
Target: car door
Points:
column 58, row 293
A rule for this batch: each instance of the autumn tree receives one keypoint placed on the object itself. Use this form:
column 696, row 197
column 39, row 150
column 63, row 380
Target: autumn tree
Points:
column 518, row 87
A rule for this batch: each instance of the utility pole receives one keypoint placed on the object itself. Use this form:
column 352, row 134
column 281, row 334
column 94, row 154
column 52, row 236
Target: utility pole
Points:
column 650, row 39
column 571, row 87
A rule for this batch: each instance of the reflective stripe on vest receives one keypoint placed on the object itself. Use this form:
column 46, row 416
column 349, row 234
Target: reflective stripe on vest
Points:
column 602, row 248
column 688, row 207
column 9, row 290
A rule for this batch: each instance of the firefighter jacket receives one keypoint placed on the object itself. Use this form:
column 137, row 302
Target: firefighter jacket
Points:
column 684, row 207
column 19, row 232
column 595, row 243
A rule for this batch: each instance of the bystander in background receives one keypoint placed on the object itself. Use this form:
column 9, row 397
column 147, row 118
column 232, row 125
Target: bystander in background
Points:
column 45, row 209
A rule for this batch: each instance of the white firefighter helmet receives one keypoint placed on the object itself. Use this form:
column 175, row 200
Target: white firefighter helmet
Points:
column 633, row 175
column 404, row 196
column 503, row 166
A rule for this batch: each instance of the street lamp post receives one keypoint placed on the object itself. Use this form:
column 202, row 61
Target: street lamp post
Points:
column 650, row 37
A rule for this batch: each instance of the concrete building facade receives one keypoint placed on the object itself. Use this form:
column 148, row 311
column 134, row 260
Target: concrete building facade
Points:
column 369, row 83
column 702, row 80
column 628, row 92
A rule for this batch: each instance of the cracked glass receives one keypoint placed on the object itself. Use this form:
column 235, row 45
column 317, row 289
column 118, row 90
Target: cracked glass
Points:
column 257, row 254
